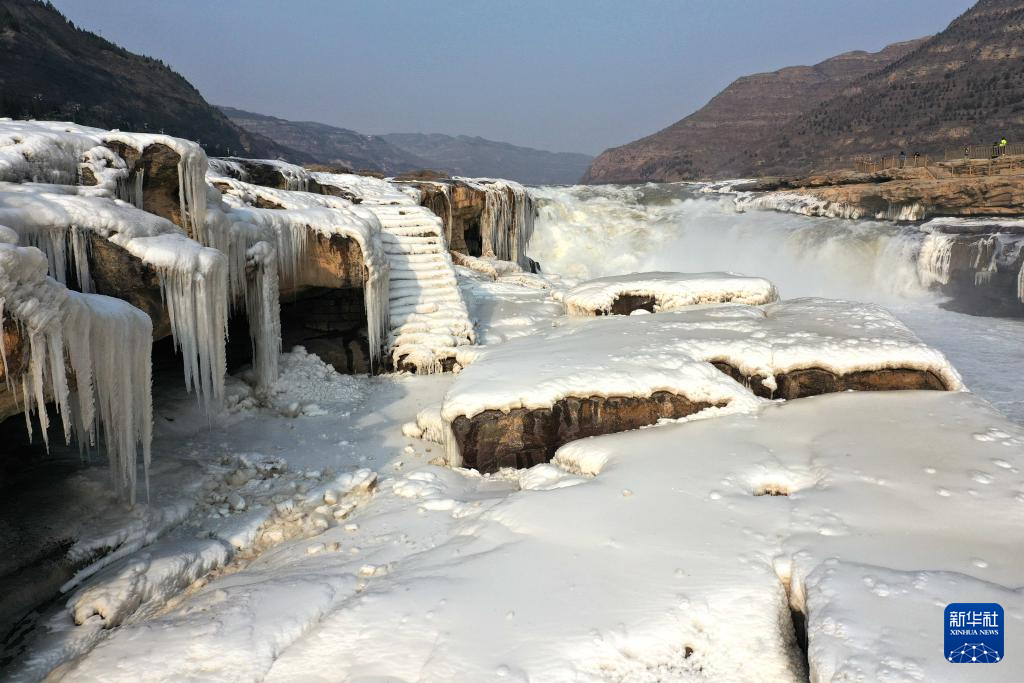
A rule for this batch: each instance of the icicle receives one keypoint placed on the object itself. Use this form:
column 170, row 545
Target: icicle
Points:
column 452, row 454
column 376, row 300
column 263, row 311
column 192, row 190
column 107, row 343
column 506, row 223
column 197, row 307
column 3, row 350
column 252, row 278
column 113, row 375
column 1020, row 283
column 80, row 258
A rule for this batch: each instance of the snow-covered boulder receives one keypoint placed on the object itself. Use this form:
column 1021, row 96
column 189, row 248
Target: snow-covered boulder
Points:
column 272, row 173
column 162, row 174
column 659, row 291
column 519, row 401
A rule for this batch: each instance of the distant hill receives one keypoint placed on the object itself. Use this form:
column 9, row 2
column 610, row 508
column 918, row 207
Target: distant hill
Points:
column 742, row 117
column 397, row 153
column 962, row 86
column 965, row 85
column 50, row 69
column 478, row 157
column 329, row 144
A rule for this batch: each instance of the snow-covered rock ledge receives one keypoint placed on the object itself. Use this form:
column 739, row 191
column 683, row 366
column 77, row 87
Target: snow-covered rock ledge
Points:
column 519, row 401
column 658, row 291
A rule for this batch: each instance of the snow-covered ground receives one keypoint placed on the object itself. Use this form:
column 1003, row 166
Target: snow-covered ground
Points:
column 300, row 535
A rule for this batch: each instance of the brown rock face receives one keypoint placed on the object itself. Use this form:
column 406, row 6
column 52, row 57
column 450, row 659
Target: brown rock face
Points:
column 625, row 304
column 330, row 323
column 525, row 437
column 325, row 310
column 736, row 122
column 334, row 192
column 998, row 195
column 816, row 381
column 334, row 262
column 460, row 208
column 160, row 189
column 117, row 273
column 16, row 347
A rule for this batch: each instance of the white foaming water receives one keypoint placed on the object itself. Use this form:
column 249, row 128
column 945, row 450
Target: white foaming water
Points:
column 588, row 232
column 593, row 231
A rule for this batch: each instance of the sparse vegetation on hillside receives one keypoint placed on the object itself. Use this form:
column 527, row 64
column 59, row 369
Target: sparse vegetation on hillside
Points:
column 962, row 86
column 52, row 69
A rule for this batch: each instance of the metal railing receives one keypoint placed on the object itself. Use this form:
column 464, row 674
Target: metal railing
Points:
column 961, row 161
column 998, row 166
column 866, row 164
column 983, row 151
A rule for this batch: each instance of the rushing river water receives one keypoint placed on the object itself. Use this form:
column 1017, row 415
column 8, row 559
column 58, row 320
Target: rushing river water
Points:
column 586, row 232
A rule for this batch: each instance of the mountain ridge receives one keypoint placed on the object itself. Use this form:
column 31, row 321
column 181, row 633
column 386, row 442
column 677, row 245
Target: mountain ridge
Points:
column 396, row 153
column 965, row 85
column 706, row 143
column 327, row 144
column 50, row 68
column 475, row 156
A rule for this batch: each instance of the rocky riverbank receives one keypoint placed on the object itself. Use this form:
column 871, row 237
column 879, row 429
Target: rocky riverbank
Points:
column 908, row 193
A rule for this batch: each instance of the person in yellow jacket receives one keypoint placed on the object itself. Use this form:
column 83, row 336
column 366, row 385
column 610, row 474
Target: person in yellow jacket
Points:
column 1002, row 146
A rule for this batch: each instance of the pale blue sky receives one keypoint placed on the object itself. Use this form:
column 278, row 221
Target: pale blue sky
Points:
column 563, row 75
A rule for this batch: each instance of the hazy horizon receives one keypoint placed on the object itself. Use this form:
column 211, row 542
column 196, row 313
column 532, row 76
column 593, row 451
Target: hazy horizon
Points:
column 564, row 77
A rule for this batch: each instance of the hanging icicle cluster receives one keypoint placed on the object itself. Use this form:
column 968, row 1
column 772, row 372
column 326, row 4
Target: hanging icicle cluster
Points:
column 106, row 343
column 506, row 224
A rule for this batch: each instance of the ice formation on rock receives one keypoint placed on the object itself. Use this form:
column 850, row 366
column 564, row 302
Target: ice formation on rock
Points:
column 252, row 266
column 192, row 165
column 934, row 260
column 368, row 189
column 117, row 339
column 194, row 284
column 668, row 291
column 193, row 278
column 506, row 225
column 295, row 177
column 299, row 219
column 48, row 152
column 58, row 153
column 56, row 219
column 980, row 247
column 809, row 205
column 428, row 321
column 106, row 343
column 488, row 265
column 263, row 310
